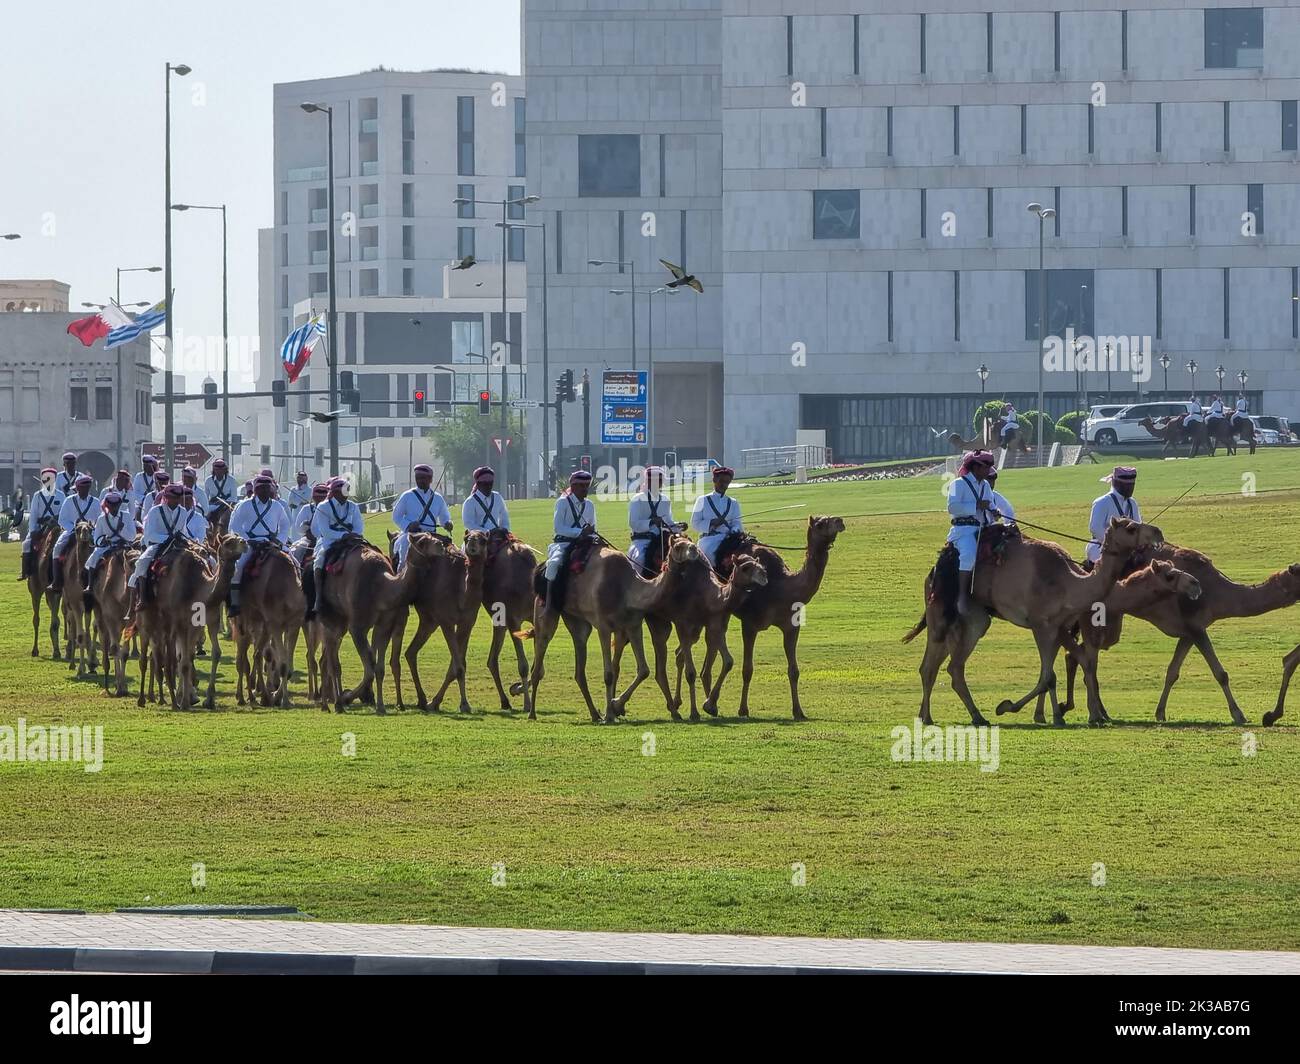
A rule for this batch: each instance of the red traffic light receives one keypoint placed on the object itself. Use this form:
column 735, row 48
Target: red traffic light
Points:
column 485, row 397
column 419, row 395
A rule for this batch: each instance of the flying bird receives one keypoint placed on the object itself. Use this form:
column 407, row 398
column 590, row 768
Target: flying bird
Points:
column 681, row 277
column 465, row 263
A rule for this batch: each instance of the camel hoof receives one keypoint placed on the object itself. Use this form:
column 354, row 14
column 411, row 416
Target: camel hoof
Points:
column 695, row 717
column 467, row 708
column 1241, row 721
column 35, row 653
column 1040, row 718
column 710, row 708
column 1270, row 718
column 798, row 714
column 743, row 711
column 517, row 689
column 1006, row 706
column 979, row 721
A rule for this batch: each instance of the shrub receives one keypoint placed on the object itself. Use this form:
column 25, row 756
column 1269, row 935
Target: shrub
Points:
column 1029, row 426
column 1072, row 421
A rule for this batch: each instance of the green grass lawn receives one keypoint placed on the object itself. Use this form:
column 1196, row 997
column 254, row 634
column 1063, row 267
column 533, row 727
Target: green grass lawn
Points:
column 1201, row 845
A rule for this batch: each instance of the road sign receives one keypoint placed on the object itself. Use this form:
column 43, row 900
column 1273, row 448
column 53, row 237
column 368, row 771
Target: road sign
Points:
column 525, row 404
column 185, row 454
column 623, row 411
column 496, row 442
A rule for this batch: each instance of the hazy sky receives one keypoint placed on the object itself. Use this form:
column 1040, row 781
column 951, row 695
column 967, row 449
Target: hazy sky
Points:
column 81, row 128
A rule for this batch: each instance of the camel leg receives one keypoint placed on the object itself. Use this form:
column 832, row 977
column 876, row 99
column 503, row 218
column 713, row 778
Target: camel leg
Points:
column 968, row 634
column 580, row 632
column 144, row 672
column 1289, row 664
column 214, row 660
column 544, row 625
column 748, row 635
column 360, row 639
column 642, row 667
column 936, row 652
column 1171, row 674
column 242, row 667
column 462, row 651
column 52, row 604
column 688, row 661
column 521, row 662
column 494, row 664
column 413, row 648
column 1047, row 643
column 36, row 625
column 453, row 652
column 791, row 640
column 1206, row 648
column 382, row 636
column 713, row 690
column 659, row 632
column 608, row 660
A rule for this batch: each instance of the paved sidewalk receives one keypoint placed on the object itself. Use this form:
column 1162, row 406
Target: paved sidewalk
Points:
column 126, row 943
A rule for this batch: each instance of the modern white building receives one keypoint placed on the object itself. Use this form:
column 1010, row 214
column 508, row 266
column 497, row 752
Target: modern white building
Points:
column 849, row 181
column 406, row 146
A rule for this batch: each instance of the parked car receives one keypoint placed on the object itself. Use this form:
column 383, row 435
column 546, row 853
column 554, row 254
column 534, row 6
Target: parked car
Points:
column 1271, row 431
column 1125, row 425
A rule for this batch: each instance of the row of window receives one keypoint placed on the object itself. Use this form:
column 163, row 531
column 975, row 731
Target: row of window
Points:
column 23, row 405
column 1234, row 39
column 465, row 137
column 837, row 212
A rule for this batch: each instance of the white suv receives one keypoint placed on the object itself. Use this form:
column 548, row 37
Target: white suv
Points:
column 1126, row 426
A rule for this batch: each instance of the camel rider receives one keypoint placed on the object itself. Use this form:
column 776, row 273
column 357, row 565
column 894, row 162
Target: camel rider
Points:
column 260, row 519
column 161, row 480
column 44, row 514
column 1196, row 415
column 484, row 510
column 419, row 509
column 715, row 516
column 575, row 520
column 196, row 524
column 190, row 479
column 300, row 493
column 248, row 490
column 1010, row 422
column 1215, row 414
column 302, row 546
column 336, row 518
column 67, row 479
column 79, row 506
column 1118, row 502
column 121, row 484
column 1003, row 510
column 114, row 529
column 219, row 488
column 649, row 516
column 970, row 502
column 165, row 523
column 266, row 471
column 142, row 484
column 1240, row 413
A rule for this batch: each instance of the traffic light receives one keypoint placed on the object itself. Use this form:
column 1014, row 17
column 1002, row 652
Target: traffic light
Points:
column 236, row 443
column 485, row 402
column 584, row 463
column 349, row 394
column 320, row 456
column 266, row 455
column 277, row 394
column 417, row 402
column 569, row 394
column 209, row 395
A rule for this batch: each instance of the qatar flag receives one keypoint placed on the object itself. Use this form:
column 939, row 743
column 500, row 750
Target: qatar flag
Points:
column 98, row 325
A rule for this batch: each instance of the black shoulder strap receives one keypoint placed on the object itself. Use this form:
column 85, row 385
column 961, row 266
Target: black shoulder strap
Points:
column 574, row 511
column 487, row 508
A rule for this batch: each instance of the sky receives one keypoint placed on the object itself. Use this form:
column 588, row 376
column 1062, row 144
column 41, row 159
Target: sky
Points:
column 81, row 130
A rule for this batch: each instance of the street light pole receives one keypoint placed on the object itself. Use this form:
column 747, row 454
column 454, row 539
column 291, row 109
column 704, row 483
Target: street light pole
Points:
column 121, row 459
column 332, row 314
column 1043, row 214
column 169, row 424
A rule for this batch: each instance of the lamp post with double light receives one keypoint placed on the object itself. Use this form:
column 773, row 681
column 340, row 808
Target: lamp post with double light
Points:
column 650, row 293
column 1165, row 362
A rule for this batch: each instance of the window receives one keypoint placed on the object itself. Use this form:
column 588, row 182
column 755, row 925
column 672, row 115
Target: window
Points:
column 408, row 156
column 1255, row 205
column 1069, row 302
column 408, row 241
column 408, row 281
column 835, row 214
column 956, row 305
column 956, row 130
column 1092, row 130
column 515, row 211
column 369, row 282
column 559, row 241
column 1056, row 40
column 1234, row 37
column 465, row 240
column 988, row 213
column 1056, row 203
column 889, row 306
column 609, row 164
column 465, row 210
column 857, row 45
column 1288, row 125
column 923, row 213
column 466, row 339
column 1123, row 40
column 80, row 403
column 464, row 134
column 1159, row 130
column 988, row 42
column 1160, row 304
column 789, row 45
column 284, row 207
column 1024, row 129
column 318, row 283
column 103, row 404
column 408, row 200
column 922, row 44
column 1227, row 126
column 1227, row 303
column 515, row 245
column 521, row 144
column 663, row 167
column 1123, row 210
column 1191, row 209
column 821, row 121
column 889, row 132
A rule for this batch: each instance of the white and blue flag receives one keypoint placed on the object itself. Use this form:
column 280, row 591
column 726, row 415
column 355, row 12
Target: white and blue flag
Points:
column 144, row 322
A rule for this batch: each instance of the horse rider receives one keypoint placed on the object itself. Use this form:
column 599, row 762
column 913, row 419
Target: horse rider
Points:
column 219, row 488
column 300, row 493
column 45, row 508
column 1005, row 512
column 142, row 484
column 260, row 519
column 190, row 479
column 67, row 479
column 114, row 529
column 484, row 510
column 336, row 518
column 1010, row 423
column 716, row 516
column 1118, row 502
column 649, row 516
column 419, row 509
column 575, row 521
column 79, row 506
column 1216, row 414
column 302, row 546
column 161, row 480
column 1240, row 413
column 970, row 504
column 166, row 522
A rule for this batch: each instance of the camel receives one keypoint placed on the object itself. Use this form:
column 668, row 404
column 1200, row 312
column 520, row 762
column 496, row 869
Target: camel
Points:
column 38, row 587
column 508, row 600
column 698, row 603
column 269, row 624
column 78, row 635
column 111, row 602
column 959, row 444
column 610, row 597
column 780, row 603
column 1188, row 621
column 363, row 595
column 1289, row 664
column 1223, row 435
column 179, row 612
column 1174, row 433
column 1137, row 591
column 450, row 603
column 1034, row 585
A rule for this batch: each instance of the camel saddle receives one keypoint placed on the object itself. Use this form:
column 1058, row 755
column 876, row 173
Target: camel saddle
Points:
column 736, row 543
column 258, row 550
column 40, row 534
column 162, row 564
column 943, row 577
column 498, row 538
column 575, row 561
column 338, row 552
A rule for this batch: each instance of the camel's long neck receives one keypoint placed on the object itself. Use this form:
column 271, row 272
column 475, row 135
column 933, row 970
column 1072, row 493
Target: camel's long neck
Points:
column 1136, row 593
column 1250, row 600
column 1102, row 580
column 808, row 580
